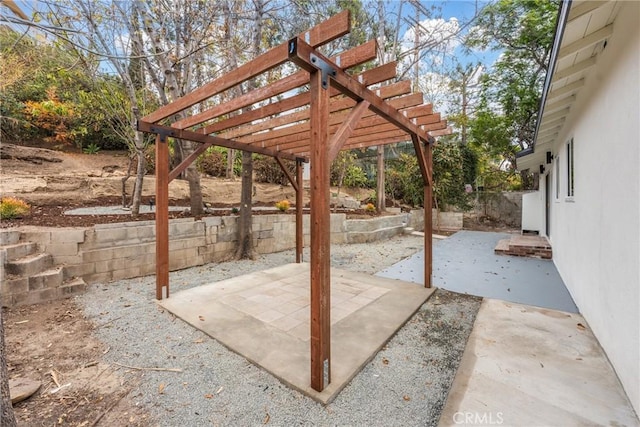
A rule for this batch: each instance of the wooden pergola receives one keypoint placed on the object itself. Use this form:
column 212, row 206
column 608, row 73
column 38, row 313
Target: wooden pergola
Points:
column 285, row 121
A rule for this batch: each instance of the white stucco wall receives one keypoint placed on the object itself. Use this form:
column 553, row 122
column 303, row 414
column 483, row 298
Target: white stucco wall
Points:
column 596, row 236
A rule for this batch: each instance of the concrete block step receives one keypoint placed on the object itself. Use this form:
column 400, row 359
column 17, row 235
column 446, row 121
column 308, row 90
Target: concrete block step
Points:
column 74, row 286
column 20, row 250
column 29, row 265
column 14, row 285
column 69, row 288
column 51, row 278
column 9, row 237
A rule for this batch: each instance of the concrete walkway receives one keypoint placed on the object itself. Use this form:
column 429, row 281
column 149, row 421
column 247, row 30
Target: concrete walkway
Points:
column 524, row 365
column 466, row 263
column 527, row 366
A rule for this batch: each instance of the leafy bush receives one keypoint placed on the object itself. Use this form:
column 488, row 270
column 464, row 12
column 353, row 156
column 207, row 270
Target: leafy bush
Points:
column 345, row 172
column 450, row 177
column 266, row 169
column 92, row 148
column 403, row 180
column 10, row 208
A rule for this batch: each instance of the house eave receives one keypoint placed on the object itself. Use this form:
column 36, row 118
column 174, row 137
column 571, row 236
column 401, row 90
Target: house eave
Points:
column 582, row 31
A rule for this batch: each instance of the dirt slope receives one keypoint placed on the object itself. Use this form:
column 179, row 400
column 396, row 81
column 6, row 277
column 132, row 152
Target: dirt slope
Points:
column 43, row 176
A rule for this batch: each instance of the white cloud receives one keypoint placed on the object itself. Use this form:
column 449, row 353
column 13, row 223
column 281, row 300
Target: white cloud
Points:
column 433, row 34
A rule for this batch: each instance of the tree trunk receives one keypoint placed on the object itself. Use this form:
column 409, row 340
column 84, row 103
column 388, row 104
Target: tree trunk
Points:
column 7, row 417
column 137, row 191
column 380, row 195
column 195, row 190
column 231, row 157
column 124, row 183
column 245, row 231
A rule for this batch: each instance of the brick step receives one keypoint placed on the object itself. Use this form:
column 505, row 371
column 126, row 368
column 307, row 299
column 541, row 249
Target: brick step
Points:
column 20, row 250
column 525, row 246
column 29, row 265
column 69, row 288
column 9, row 237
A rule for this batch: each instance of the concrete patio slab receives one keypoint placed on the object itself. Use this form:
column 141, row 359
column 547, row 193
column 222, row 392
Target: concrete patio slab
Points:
column 526, row 366
column 264, row 316
column 466, row 263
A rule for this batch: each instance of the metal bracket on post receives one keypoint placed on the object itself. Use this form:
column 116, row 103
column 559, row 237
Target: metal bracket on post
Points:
column 162, row 132
column 326, row 69
column 431, row 142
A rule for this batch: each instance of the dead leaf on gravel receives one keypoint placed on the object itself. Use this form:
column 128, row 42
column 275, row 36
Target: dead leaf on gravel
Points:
column 201, row 318
column 198, row 341
column 406, row 397
column 266, row 419
column 161, row 388
column 581, row 327
column 208, row 396
column 385, row 361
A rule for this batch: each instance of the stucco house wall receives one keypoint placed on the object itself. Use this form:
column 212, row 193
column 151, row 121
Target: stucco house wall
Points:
column 596, row 233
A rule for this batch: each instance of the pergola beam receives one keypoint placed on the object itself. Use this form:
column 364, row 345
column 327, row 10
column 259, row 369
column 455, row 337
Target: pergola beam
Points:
column 338, row 103
column 190, row 159
column 346, row 129
column 303, row 55
column 366, row 130
column 300, row 132
column 198, row 137
column 369, row 77
column 356, row 56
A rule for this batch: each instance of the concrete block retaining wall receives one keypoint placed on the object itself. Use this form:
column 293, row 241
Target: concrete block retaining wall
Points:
column 449, row 221
column 124, row 250
column 503, row 206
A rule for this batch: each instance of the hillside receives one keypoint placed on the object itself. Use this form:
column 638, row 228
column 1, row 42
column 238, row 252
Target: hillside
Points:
column 55, row 181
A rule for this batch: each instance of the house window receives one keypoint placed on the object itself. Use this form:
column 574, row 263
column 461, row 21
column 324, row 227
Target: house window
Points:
column 570, row 167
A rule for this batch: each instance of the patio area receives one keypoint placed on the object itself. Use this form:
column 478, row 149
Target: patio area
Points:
column 264, row 316
column 466, row 262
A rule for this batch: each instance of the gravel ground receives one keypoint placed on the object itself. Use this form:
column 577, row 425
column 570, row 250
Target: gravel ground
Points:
column 405, row 384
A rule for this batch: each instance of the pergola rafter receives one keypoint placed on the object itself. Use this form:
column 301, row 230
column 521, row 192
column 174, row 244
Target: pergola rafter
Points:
column 308, row 116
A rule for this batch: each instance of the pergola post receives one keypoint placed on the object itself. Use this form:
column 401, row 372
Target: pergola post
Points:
column 320, row 232
column 428, row 221
column 299, row 210
column 162, row 215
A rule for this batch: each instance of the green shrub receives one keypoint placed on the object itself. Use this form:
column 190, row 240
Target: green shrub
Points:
column 11, row 208
column 92, row 148
column 345, row 171
column 403, row 180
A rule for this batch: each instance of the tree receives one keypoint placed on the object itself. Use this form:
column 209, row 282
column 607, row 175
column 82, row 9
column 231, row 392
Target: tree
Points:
column 523, row 31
